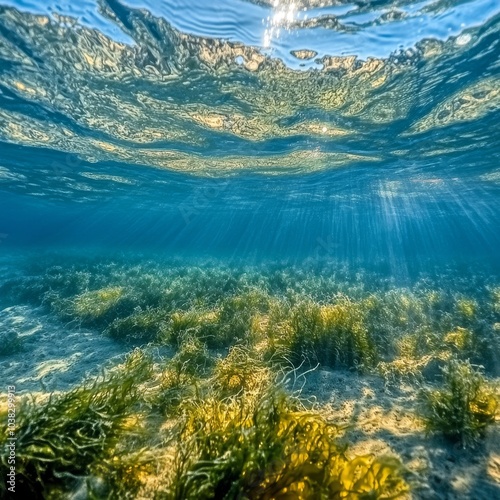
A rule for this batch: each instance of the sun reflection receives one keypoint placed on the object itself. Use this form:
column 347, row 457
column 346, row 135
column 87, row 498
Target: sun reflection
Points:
column 282, row 16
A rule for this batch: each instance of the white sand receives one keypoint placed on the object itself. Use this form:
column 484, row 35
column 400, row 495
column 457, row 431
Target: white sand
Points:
column 386, row 423
column 53, row 357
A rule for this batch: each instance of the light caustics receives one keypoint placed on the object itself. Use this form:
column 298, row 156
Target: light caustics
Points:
column 210, row 106
column 330, row 136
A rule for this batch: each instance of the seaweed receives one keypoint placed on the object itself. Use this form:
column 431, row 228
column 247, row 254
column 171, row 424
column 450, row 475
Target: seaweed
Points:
column 59, row 440
column 180, row 379
column 463, row 407
column 200, row 323
column 142, row 326
column 94, row 304
column 216, row 415
column 334, row 335
column 241, row 371
column 270, row 448
column 336, row 319
column 235, row 317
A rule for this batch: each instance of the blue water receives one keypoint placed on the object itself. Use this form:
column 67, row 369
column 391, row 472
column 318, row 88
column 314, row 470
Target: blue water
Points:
column 181, row 128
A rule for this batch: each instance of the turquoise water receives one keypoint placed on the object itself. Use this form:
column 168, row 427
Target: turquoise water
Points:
column 184, row 128
column 176, row 157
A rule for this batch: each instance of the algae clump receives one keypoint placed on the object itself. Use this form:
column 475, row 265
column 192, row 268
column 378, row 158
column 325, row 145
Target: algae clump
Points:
column 463, row 407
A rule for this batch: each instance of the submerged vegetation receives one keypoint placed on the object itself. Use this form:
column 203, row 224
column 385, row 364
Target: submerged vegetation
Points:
column 465, row 405
column 266, row 447
column 63, row 436
column 10, row 342
column 192, row 427
column 332, row 317
column 221, row 417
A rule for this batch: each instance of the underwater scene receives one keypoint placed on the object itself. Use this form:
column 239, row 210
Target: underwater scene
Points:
column 250, row 249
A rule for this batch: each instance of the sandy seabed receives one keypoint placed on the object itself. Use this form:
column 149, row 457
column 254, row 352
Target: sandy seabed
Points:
column 380, row 417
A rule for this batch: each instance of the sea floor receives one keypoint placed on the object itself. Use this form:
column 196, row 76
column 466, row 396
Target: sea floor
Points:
column 375, row 404
column 383, row 420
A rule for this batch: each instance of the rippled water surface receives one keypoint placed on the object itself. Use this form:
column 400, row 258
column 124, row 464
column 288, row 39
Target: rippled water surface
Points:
column 263, row 127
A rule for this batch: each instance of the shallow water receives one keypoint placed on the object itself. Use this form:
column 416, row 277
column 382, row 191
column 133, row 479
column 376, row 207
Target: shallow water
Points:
column 229, row 169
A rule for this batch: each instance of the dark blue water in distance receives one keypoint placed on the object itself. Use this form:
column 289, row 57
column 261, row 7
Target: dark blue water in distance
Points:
column 263, row 186
column 182, row 129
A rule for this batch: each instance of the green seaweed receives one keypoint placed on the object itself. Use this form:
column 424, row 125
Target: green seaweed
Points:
column 64, row 436
column 241, row 371
column 463, row 407
column 270, row 448
column 333, row 334
column 180, row 379
column 96, row 303
column 142, row 326
column 214, row 419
